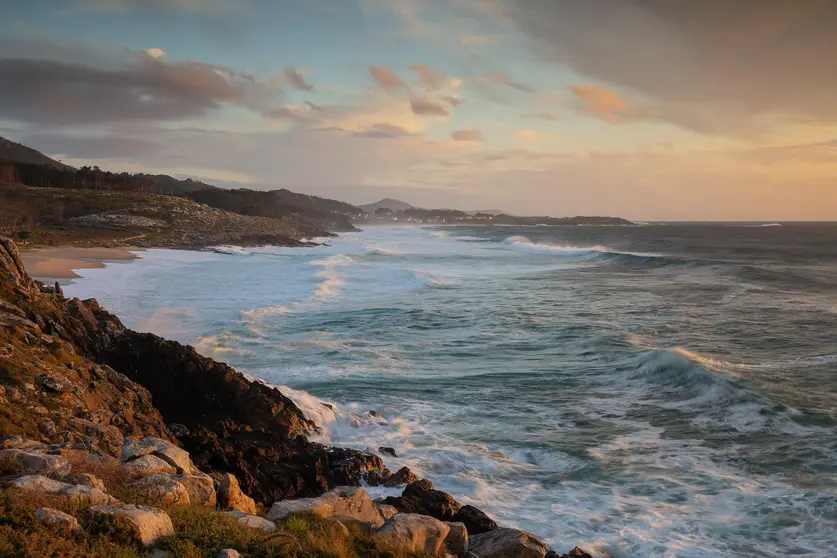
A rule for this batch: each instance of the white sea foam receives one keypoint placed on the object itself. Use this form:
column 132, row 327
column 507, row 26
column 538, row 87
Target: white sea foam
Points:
column 525, row 244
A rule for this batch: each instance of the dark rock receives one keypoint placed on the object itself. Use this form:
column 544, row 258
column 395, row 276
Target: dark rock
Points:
column 178, row 430
column 58, row 290
column 375, row 414
column 402, row 476
column 387, row 451
column 350, row 467
column 475, row 520
column 574, row 553
column 420, row 497
column 53, row 383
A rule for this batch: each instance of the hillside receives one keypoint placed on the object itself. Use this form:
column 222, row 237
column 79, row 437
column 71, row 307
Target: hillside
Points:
column 284, row 204
column 16, row 152
column 56, row 216
column 386, row 203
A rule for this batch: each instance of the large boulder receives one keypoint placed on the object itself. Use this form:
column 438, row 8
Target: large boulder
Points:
column 162, row 490
column 134, row 448
column 413, row 533
column 86, row 479
column 475, row 520
column 420, row 497
column 253, row 521
column 456, row 542
column 348, row 501
column 38, row 483
column 56, row 518
column 201, row 489
column 402, row 476
column 352, row 467
column 505, row 542
column 150, row 465
column 81, row 496
column 145, row 523
column 35, row 463
column 230, row 496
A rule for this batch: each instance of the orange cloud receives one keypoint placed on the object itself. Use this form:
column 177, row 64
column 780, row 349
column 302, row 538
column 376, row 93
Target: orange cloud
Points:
column 603, row 103
column 386, row 78
column 467, row 136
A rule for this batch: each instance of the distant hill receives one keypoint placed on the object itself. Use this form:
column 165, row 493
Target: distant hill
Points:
column 18, row 153
column 386, row 203
column 488, row 212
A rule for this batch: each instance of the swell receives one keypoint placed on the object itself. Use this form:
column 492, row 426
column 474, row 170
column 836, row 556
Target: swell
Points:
column 594, row 253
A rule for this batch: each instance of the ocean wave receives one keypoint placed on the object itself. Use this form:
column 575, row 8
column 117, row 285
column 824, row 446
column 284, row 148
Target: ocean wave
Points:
column 524, row 244
column 330, row 286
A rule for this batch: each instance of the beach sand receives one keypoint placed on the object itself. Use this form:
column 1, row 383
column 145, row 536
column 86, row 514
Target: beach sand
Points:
column 59, row 263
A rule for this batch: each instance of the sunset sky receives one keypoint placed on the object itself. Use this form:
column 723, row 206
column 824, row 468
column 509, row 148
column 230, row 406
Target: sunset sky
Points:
column 646, row 109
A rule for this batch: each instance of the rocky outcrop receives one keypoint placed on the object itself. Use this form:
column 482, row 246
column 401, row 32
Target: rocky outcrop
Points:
column 504, row 542
column 456, row 542
column 161, row 449
column 144, row 523
column 35, row 463
column 474, row 519
column 161, row 490
column 150, row 465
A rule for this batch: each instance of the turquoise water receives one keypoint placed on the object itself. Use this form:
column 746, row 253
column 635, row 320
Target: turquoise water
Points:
column 665, row 390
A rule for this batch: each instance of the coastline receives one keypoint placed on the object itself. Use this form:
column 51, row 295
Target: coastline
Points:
column 62, row 262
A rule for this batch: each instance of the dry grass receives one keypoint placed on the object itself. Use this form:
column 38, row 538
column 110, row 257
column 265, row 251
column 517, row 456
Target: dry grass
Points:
column 117, row 478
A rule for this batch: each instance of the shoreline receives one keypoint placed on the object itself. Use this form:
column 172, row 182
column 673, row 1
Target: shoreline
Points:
column 62, row 262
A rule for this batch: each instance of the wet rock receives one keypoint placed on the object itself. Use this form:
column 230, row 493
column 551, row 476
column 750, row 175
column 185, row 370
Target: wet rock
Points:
column 456, row 542
column 230, row 496
column 401, row 477
column 386, row 450
column 36, row 463
column 413, row 533
column 421, row 498
column 352, row 468
column 253, row 521
column 474, row 519
column 504, row 542
column 574, row 553
column 150, row 465
column 145, row 523
column 56, row 518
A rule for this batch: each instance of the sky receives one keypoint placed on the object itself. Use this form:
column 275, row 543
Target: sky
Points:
column 645, row 109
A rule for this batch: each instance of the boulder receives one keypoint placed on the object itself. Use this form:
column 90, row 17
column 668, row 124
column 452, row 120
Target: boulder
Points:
column 201, row 489
column 413, row 533
column 348, row 501
column 456, row 542
column 38, row 483
column 230, row 496
column 83, row 496
column 86, row 479
column 402, row 476
column 352, row 467
column 53, row 383
column 386, row 511
column 253, row 521
column 145, row 523
column 134, row 448
column 420, row 497
column 162, row 490
column 150, row 465
column 504, row 542
column 474, row 519
column 228, row 553
column 56, row 518
column 386, row 450
column 36, row 463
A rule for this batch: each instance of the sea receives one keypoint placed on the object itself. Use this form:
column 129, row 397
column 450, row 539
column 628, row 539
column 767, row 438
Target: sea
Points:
column 653, row 390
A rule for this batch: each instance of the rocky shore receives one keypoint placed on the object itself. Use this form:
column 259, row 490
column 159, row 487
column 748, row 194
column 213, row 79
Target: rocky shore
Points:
column 114, row 437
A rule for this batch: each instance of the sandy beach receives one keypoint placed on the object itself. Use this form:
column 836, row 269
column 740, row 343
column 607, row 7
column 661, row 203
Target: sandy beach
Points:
column 60, row 263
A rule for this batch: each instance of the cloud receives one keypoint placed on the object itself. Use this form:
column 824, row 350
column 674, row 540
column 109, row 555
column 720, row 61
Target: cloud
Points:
column 386, row 78
column 430, row 77
column 296, row 79
column 499, row 78
column 157, row 6
column 532, row 135
column 155, row 52
column 384, row 131
column 425, row 107
column 713, row 65
column 467, row 136
column 134, row 87
column 603, row 103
